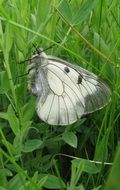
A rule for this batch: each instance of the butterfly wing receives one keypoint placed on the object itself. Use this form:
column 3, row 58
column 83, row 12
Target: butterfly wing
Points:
column 73, row 92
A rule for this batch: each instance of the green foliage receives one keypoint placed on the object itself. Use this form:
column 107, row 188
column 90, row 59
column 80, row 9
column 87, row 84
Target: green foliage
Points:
column 31, row 145
column 113, row 181
column 70, row 138
column 34, row 155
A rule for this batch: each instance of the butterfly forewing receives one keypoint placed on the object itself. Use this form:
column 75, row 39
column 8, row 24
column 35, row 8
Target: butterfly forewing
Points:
column 69, row 91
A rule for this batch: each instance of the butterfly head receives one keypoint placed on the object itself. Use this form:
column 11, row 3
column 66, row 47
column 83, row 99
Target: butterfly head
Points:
column 38, row 59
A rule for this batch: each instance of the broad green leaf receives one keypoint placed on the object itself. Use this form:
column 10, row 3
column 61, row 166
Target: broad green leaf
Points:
column 4, row 115
column 11, row 148
column 54, row 182
column 13, row 120
column 5, row 172
column 89, row 167
column 76, row 171
column 44, row 12
column 28, row 110
column 70, row 138
column 4, row 11
column 65, row 9
column 17, row 144
column 16, row 182
column 31, row 145
column 83, row 11
column 20, row 40
column 36, row 183
column 100, row 44
column 8, row 36
column 25, row 128
column 4, row 82
column 42, row 181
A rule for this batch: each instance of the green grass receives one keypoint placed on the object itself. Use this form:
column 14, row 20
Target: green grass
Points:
column 34, row 155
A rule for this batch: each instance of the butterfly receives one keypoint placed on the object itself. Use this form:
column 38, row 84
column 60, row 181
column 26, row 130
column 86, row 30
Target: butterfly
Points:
column 64, row 91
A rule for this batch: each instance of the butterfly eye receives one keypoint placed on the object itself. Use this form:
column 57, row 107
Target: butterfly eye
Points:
column 66, row 69
column 79, row 79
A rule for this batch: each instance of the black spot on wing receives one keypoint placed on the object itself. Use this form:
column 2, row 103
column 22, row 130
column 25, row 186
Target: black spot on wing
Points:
column 79, row 79
column 66, row 69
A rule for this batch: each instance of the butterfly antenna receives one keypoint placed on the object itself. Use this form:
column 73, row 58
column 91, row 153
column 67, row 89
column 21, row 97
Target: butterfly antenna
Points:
column 24, row 61
column 19, row 76
column 38, row 51
column 30, row 58
column 49, row 47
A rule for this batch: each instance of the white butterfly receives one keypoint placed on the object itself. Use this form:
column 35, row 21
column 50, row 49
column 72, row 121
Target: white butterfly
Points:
column 64, row 91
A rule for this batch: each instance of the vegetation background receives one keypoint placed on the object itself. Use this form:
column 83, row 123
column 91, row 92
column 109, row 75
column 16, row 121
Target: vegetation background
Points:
column 34, row 155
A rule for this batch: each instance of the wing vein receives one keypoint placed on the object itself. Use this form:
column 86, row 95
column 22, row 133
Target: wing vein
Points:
column 69, row 86
column 66, row 110
column 50, row 108
column 64, row 73
column 58, row 110
column 99, row 92
column 72, row 104
column 93, row 94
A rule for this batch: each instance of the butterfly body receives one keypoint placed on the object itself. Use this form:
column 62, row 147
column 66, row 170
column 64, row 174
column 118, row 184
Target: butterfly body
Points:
column 64, row 91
